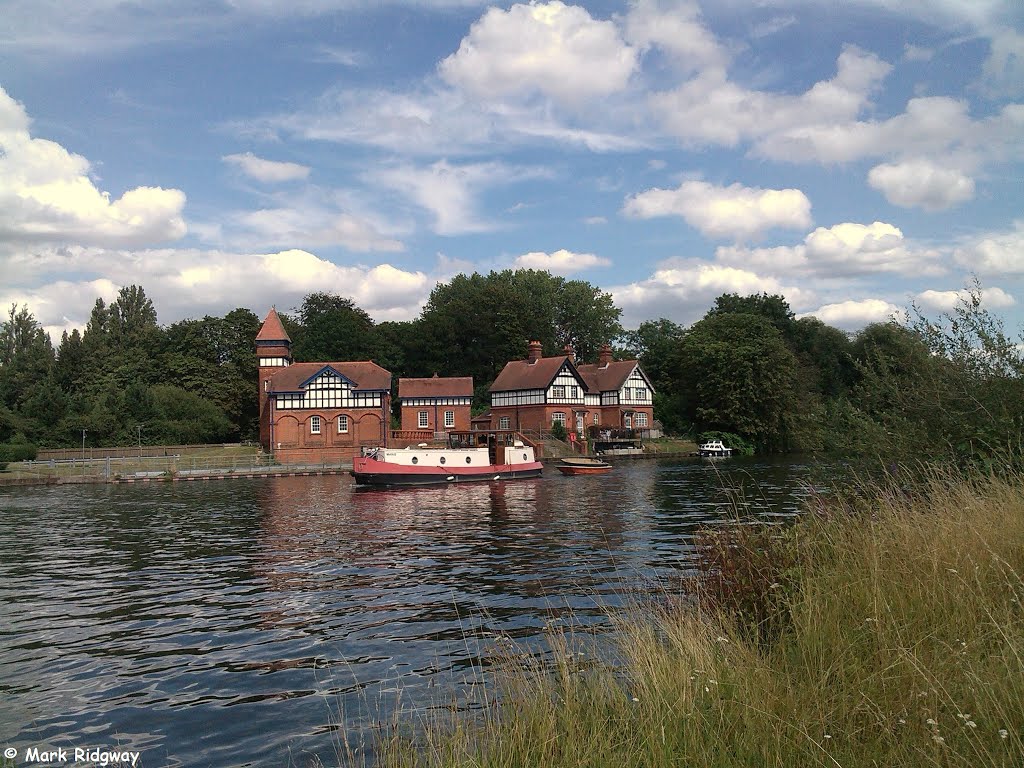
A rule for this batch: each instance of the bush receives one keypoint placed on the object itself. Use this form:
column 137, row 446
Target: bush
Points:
column 16, row 452
column 558, row 430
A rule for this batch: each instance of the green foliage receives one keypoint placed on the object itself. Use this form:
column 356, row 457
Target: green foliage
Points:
column 18, row 452
column 736, row 374
column 740, row 446
column 558, row 431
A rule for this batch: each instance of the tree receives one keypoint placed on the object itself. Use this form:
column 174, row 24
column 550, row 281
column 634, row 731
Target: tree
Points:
column 737, row 375
column 772, row 307
column 333, row 328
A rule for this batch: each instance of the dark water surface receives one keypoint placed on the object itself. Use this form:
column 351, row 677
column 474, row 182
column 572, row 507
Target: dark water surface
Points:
column 261, row 622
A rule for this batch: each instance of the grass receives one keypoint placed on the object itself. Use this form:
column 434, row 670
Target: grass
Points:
column 669, row 445
column 886, row 630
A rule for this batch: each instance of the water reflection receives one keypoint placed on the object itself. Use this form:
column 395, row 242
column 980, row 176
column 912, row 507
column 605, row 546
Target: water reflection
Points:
column 255, row 621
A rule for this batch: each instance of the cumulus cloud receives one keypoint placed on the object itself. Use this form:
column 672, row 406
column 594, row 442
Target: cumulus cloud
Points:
column 550, row 48
column 921, row 184
column 193, row 282
column 992, row 298
column 735, row 211
column 997, row 253
column 560, row 262
column 676, row 28
column 843, row 250
column 1004, row 68
column 682, row 291
column 450, row 192
column 46, row 194
column 712, row 109
column 269, row 171
column 852, row 315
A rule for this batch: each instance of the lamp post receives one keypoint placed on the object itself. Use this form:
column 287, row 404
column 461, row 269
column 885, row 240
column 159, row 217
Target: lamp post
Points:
column 138, row 428
column 83, row 443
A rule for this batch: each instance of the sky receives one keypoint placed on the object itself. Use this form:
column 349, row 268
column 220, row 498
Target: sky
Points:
column 856, row 157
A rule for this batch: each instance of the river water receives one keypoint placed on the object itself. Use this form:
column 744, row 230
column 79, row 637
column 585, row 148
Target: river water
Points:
column 269, row 621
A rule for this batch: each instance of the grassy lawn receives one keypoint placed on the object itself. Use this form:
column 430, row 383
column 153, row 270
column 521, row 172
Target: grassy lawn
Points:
column 886, row 631
column 670, row 445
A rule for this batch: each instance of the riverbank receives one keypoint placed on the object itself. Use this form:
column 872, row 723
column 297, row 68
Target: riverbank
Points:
column 883, row 631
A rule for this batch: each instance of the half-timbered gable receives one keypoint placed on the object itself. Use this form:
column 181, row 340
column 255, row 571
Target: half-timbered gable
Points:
column 318, row 412
column 621, row 395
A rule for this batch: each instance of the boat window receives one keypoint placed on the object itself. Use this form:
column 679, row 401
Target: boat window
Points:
column 469, row 459
column 524, row 457
column 415, row 460
column 442, row 459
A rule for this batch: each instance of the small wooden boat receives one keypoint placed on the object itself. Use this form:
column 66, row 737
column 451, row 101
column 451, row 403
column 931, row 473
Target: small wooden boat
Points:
column 584, row 466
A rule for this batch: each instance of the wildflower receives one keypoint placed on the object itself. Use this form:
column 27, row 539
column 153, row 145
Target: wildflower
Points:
column 1003, row 733
column 931, row 721
column 721, row 639
column 901, row 721
column 828, row 735
column 971, row 724
column 635, row 699
column 938, row 739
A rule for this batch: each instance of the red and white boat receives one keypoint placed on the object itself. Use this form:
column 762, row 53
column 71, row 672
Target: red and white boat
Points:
column 584, row 466
column 469, row 457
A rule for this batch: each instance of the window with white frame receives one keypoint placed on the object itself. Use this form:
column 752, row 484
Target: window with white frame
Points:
column 449, row 419
column 639, row 393
column 559, row 417
column 596, row 419
column 558, row 390
column 641, row 420
column 314, row 425
column 504, row 423
column 574, row 392
column 342, row 424
column 423, row 419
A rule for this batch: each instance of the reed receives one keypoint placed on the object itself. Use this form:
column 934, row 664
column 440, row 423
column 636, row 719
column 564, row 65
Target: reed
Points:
column 885, row 630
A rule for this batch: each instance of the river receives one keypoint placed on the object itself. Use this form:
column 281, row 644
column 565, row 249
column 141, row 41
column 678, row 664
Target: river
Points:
column 269, row 621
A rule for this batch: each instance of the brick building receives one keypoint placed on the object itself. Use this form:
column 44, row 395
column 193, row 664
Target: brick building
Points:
column 316, row 412
column 437, row 404
column 534, row 393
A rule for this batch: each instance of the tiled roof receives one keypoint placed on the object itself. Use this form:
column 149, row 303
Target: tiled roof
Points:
column 365, row 375
column 606, row 379
column 272, row 329
column 520, row 374
column 452, row 386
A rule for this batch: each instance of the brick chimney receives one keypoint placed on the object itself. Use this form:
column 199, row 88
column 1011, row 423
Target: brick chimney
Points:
column 604, row 355
column 534, row 352
column 570, row 353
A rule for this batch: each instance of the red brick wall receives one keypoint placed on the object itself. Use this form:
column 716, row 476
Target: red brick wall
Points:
column 435, row 417
column 294, row 444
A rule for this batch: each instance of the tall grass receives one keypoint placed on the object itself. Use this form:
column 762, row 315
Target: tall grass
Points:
column 883, row 631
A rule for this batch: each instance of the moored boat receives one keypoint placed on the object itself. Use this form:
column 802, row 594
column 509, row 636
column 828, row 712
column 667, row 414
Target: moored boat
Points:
column 584, row 466
column 468, row 457
column 712, row 448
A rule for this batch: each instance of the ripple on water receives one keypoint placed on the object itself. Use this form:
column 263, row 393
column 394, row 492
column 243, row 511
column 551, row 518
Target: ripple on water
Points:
column 266, row 621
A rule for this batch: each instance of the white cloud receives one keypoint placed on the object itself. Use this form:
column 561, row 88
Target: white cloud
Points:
column 917, row 53
column 991, row 298
column 711, row 109
column 192, row 283
column 450, row 191
column 311, row 227
column 735, row 211
column 843, row 250
column 682, row 291
column 677, row 29
column 922, row 184
column 997, row 253
column 549, row 48
column 46, row 194
column 852, row 315
column 1004, row 68
column 270, row 171
column 560, row 262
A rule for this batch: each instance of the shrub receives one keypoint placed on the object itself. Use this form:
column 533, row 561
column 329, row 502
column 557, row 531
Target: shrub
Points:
column 17, row 452
column 558, row 430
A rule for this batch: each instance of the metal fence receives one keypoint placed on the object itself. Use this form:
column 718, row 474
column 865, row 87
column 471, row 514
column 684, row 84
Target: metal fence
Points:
column 134, row 466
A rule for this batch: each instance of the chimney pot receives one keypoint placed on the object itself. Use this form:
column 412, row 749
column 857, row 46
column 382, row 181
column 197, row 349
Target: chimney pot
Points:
column 570, row 353
column 534, row 351
column 604, row 355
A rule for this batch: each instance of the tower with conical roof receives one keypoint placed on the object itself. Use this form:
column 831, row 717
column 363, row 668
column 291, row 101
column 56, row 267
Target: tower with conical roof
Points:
column 273, row 352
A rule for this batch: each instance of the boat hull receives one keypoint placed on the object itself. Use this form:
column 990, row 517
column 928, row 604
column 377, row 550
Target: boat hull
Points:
column 377, row 473
column 569, row 469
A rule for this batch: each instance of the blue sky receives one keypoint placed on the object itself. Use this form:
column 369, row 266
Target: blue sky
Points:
column 854, row 156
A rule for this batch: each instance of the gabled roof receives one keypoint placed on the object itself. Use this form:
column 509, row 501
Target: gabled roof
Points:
column 272, row 329
column 452, row 386
column 367, row 376
column 611, row 377
column 520, row 374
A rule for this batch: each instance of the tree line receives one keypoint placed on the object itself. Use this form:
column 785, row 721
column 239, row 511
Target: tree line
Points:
column 749, row 367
